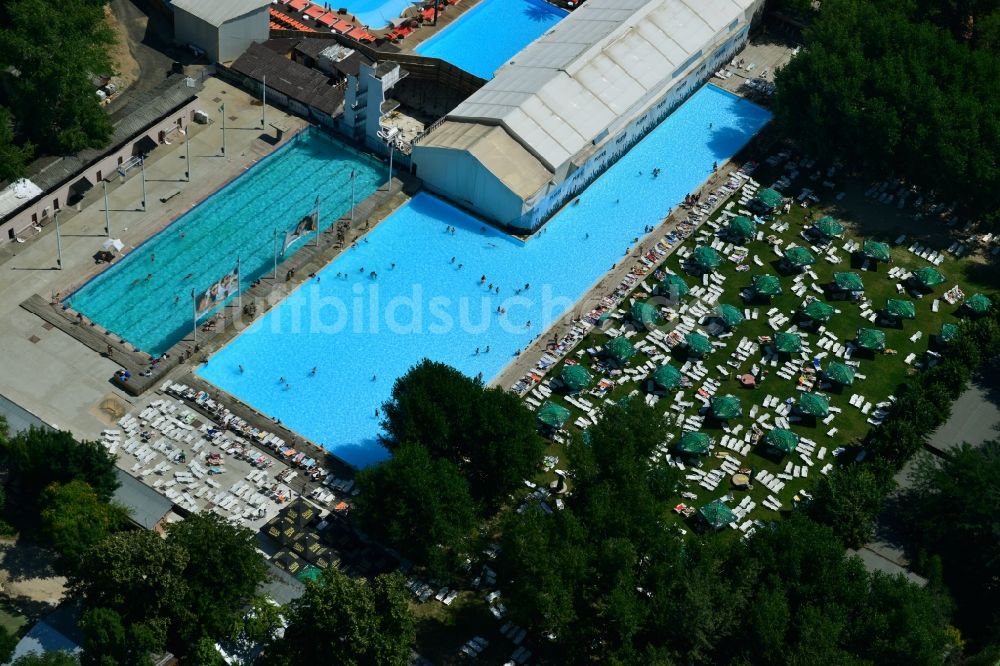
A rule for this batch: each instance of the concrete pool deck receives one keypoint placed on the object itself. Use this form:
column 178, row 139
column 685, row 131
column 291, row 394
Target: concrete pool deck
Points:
column 49, row 372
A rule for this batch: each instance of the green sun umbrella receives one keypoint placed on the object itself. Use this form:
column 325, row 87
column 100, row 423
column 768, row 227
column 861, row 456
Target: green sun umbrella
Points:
column 848, row 281
column 619, row 349
column 839, row 373
column 828, row 227
column 818, row 311
column 979, row 304
column 698, row 344
column 782, row 440
column 667, row 377
column 814, row 404
column 706, row 258
column 726, row 407
column 948, row 332
column 553, row 415
column 575, row 377
column 717, row 514
column 674, row 285
column 766, row 285
column 787, row 343
column 645, row 314
column 929, row 277
column 875, row 250
column 729, row 314
column 871, row 339
column 901, row 308
column 799, row 257
column 695, row 443
column 741, row 227
column 769, row 198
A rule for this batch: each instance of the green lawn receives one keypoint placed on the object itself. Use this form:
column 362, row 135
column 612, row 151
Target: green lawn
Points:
column 883, row 372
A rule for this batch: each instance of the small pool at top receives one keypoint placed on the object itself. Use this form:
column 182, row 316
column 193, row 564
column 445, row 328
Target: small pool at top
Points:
column 146, row 297
column 424, row 284
column 374, row 13
column 490, row 33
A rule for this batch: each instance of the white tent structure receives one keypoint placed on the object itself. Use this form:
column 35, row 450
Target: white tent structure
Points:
column 113, row 245
column 604, row 71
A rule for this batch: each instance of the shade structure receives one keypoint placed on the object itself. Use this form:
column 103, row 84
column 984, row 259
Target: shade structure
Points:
column 741, row 227
column 697, row 343
column 818, row 311
column 674, row 285
column 827, row 227
column 782, row 440
column 726, row 407
column 553, row 415
column 799, row 257
column 839, row 373
column 667, row 377
column 978, row 304
column 948, row 332
column 717, row 514
column 706, row 258
column 871, row 339
column 814, row 404
column 729, row 314
column 766, row 285
column 875, row 250
column 645, row 314
column 848, row 281
column 928, row 276
column 769, row 198
column 575, row 377
column 901, row 308
column 694, row 443
column 787, row 343
column 619, row 349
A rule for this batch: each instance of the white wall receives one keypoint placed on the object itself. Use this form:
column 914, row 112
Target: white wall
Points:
column 236, row 35
column 458, row 176
column 189, row 29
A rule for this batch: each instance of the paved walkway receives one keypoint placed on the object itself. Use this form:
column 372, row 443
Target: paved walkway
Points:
column 45, row 370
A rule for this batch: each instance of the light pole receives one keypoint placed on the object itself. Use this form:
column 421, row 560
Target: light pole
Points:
column 142, row 168
column 275, row 245
column 58, row 242
column 187, row 154
column 222, row 110
column 352, row 196
column 388, row 184
column 263, row 103
column 107, row 214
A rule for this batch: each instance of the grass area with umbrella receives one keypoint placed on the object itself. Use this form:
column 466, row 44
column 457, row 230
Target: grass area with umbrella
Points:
column 553, row 415
column 575, row 377
column 644, row 314
column 741, row 228
column 978, row 304
column 787, row 343
column 674, row 286
column 848, row 281
column 876, row 251
column 716, row 514
column 871, row 339
column 796, row 258
column 697, row 344
column 725, row 407
column 667, row 377
column 619, row 349
column 694, row 443
column 769, row 199
column 818, row 311
column 928, row 277
column 705, row 258
column 827, row 227
column 781, row 440
column 730, row 315
column 766, row 285
column 839, row 373
column 901, row 308
column 814, row 404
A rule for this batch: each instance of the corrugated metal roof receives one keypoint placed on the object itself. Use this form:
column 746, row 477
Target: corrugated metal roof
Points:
column 571, row 84
column 217, row 12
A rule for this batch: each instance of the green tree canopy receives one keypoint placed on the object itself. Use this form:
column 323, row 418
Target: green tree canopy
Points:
column 51, row 658
column 418, row 504
column 488, row 433
column 348, row 622
column 73, row 518
column 849, row 498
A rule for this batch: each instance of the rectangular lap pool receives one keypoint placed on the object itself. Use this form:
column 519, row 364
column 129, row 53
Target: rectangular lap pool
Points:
column 146, row 297
column 491, row 33
column 434, row 289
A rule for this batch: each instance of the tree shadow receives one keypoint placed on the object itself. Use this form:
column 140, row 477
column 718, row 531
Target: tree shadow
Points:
column 25, row 560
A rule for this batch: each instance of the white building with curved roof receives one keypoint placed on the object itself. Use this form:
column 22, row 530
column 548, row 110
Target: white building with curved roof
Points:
column 568, row 105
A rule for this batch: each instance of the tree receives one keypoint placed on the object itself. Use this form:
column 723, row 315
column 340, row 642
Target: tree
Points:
column 52, row 658
column 55, row 50
column 849, row 499
column 110, row 641
column 222, row 573
column 13, row 158
column 488, row 433
column 73, row 519
column 417, row 504
column 951, row 511
column 38, row 457
column 346, row 621
column 8, row 642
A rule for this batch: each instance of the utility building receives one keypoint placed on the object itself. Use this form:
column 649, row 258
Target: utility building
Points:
column 223, row 29
column 572, row 102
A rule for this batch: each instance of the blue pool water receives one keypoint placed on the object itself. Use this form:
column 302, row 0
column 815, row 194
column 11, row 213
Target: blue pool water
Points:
column 491, row 33
column 362, row 333
column 146, row 298
column 375, row 13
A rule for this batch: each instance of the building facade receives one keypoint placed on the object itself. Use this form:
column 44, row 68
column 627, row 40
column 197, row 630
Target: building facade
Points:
column 223, row 29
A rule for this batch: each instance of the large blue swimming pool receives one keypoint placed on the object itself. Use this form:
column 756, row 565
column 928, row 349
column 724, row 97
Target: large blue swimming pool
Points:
column 146, row 298
column 491, row 33
column 428, row 300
